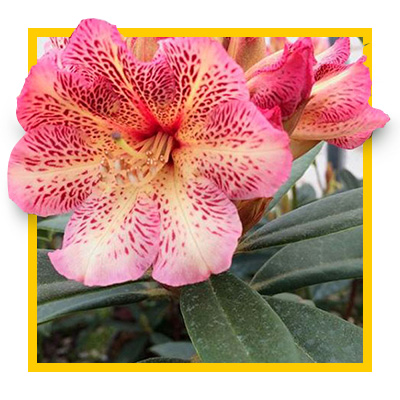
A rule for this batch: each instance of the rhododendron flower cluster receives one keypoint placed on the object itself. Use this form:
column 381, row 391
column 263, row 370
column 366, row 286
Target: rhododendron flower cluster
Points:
column 150, row 141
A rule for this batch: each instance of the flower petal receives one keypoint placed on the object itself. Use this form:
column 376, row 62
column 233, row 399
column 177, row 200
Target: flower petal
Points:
column 338, row 53
column 52, row 96
column 200, row 229
column 339, row 106
column 239, row 150
column 339, row 96
column 59, row 42
column 97, row 50
column 112, row 238
column 146, row 89
column 287, row 82
column 205, row 76
column 335, row 55
column 347, row 134
column 356, row 131
column 51, row 171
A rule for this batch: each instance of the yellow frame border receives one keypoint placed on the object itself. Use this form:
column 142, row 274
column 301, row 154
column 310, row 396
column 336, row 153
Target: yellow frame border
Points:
column 366, row 366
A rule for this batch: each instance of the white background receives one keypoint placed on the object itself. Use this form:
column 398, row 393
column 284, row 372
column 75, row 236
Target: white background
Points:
column 17, row 16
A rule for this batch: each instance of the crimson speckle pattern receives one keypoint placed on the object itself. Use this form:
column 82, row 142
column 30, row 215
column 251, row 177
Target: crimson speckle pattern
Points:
column 114, row 227
column 335, row 55
column 52, row 179
column 204, row 77
column 288, row 81
column 238, row 150
column 199, row 229
column 339, row 111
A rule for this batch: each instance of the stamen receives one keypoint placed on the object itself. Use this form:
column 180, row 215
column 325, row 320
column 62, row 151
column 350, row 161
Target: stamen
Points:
column 132, row 177
column 138, row 165
column 121, row 143
column 117, row 164
column 119, row 179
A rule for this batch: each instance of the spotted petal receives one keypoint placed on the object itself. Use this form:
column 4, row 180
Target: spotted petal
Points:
column 111, row 238
column 286, row 82
column 355, row 131
column 338, row 53
column 97, row 50
column 200, row 229
column 205, row 77
column 51, row 171
column 339, row 96
column 239, row 150
column 339, row 108
column 52, row 96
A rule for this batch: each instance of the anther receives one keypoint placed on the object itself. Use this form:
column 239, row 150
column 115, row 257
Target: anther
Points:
column 132, row 178
column 119, row 179
column 117, row 164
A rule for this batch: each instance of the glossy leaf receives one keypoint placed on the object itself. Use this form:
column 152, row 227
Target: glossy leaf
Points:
column 182, row 350
column 227, row 321
column 348, row 180
column 299, row 167
column 163, row 360
column 56, row 224
column 58, row 296
column 322, row 259
column 329, row 215
column 324, row 337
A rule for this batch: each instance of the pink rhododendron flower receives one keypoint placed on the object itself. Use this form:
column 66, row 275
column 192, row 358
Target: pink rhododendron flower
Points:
column 149, row 156
column 320, row 98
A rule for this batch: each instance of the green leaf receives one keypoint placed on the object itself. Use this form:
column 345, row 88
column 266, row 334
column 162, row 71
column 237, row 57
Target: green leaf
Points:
column 58, row 296
column 182, row 350
column 305, row 194
column 227, row 321
column 299, row 167
column 324, row 337
column 163, row 360
column 348, row 180
column 132, row 350
column 322, row 259
column 328, row 215
column 56, row 224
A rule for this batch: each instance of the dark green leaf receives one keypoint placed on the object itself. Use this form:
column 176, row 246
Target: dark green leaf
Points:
column 299, row 167
column 328, row 215
column 322, row 259
column 183, row 350
column 132, row 350
column 305, row 194
column 324, row 337
column 348, row 180
column 56, row 224
column 58, row 296
column 163, row 360
column 227, row 321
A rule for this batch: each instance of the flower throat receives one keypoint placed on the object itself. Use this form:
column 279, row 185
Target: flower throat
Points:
column 139, row 164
